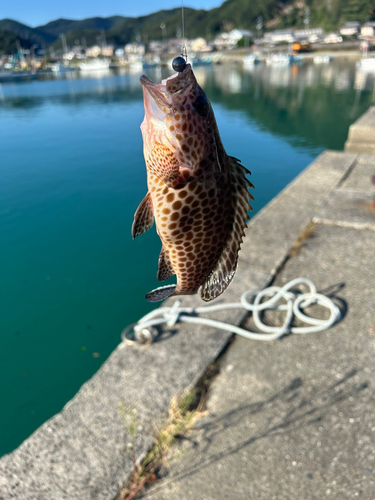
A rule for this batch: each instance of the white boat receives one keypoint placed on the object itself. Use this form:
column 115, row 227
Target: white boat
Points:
column 367, row 64
column 94, row 65
column 280, row 59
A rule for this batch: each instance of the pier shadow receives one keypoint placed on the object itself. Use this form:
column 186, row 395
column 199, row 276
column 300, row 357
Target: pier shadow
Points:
column 284, row 412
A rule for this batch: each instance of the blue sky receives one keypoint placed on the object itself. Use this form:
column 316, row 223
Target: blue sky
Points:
column 38, row 12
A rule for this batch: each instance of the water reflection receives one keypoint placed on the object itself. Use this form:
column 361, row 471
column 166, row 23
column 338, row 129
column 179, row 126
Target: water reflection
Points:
column 320, row 100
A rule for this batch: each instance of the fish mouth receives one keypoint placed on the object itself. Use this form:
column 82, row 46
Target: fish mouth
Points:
column 159, row 97
column 157, row 93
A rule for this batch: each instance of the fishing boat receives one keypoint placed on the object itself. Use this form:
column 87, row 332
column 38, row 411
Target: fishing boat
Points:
column 280, row 59
column 60, row 68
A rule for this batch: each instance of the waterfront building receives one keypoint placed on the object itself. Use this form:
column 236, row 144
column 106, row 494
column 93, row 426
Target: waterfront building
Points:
column 368, row 29
column 350, row 29
column 93, row 51
column 279, row 36
column 312, row 35
column 332, row 38
column 135, row 49
column 229, row 40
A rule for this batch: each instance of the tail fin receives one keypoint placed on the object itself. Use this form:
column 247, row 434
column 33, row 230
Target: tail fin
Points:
column 161, row 293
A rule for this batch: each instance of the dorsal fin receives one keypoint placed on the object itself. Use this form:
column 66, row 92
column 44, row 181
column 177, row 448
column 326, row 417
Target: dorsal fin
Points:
column 225, row 268
column 165, row 270
column 143, row 217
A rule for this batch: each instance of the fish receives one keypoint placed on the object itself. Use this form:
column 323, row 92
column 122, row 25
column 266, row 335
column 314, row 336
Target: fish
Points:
column 197, row 195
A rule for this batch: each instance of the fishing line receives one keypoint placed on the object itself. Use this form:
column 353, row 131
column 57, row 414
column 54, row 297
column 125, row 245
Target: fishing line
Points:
column 179, row 63
column 183, row 48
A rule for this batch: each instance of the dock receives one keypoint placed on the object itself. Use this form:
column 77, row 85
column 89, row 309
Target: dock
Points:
column 288, row 419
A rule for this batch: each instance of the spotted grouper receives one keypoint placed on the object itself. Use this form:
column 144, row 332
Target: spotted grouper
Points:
column 197, row 194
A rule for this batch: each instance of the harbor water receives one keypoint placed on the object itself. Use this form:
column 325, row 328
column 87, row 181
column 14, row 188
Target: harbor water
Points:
column 71, row 177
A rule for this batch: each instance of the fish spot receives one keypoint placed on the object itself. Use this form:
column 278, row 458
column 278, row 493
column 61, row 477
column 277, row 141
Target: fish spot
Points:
column 177, row 117
column 185, row 210
column 175, row 216
column 170, row 197
column 185, row 148
column 166, row 211
column 184, row 127
column 182, row 193
column 173, row 225
column 177, row 205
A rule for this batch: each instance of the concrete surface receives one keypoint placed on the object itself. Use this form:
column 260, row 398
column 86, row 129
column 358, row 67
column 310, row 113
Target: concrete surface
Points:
column 351, row 202
column 361, row 137
column 295, row 418
column 81, row 452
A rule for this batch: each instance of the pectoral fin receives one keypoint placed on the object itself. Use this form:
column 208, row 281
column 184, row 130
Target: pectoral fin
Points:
column 225, row 269
column 143, row 217
column 161, row 293
column 162, row 163
column 165, row 270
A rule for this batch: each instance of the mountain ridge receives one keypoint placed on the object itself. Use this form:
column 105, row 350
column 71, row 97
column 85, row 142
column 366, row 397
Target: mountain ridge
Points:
column 242, row 14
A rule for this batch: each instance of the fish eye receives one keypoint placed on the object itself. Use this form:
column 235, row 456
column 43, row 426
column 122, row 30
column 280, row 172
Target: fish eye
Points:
column 202, row 106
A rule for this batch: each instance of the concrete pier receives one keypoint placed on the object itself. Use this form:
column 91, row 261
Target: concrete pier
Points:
column 295, row 418
column 361, row 138
column 288, row 419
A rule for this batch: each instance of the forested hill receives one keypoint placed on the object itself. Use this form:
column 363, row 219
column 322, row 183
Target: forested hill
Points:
column 276, row 14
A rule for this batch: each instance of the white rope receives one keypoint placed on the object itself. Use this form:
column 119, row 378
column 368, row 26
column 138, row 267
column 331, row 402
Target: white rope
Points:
column 295, row 302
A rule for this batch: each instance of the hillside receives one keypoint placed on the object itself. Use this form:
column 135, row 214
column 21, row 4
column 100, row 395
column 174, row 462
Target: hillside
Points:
column 231, row 14
column 8, row 42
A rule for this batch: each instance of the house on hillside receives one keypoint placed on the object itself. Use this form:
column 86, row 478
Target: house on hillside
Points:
column 279, row 36
column 229, row 40
column 350, row 29
column 199, row 45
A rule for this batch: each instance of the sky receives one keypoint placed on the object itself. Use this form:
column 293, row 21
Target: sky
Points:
column 39, row 12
